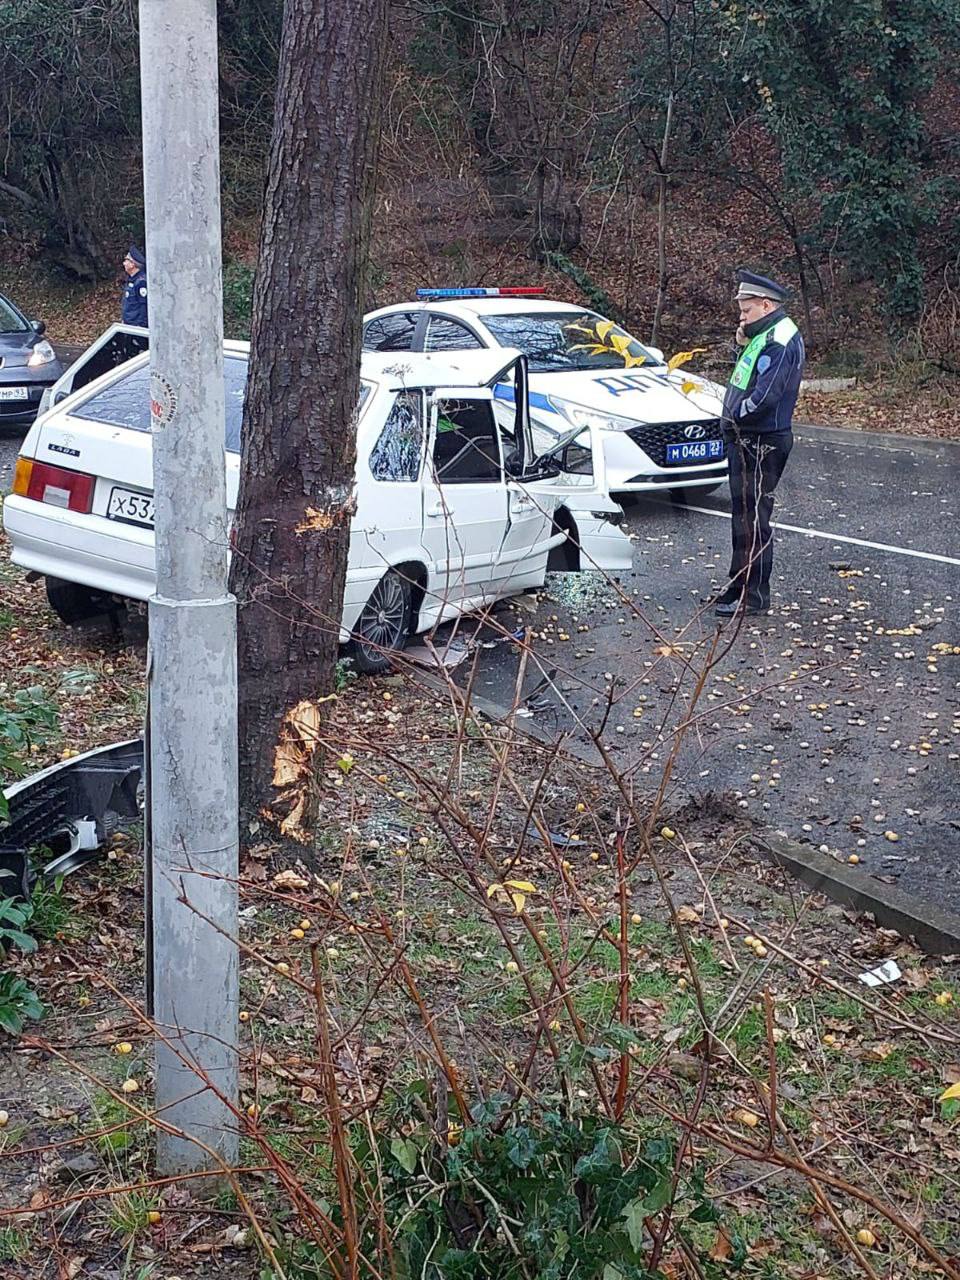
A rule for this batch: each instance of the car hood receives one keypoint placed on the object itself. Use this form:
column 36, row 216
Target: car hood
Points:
column 644, row 395
column 15, row 348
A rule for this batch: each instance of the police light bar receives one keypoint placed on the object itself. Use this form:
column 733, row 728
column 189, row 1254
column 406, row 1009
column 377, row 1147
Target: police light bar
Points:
column 515, row 291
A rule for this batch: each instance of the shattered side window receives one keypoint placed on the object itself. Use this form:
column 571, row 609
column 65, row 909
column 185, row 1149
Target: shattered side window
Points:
column 393, row 332
column 398, row 452
column 444, row 334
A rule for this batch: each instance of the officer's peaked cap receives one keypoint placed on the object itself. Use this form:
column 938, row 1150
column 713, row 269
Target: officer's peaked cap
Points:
column 139, row 257
column 754, row 286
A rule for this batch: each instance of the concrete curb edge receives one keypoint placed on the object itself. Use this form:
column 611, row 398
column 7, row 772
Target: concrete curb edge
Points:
column 935, row 931
column 878, row 439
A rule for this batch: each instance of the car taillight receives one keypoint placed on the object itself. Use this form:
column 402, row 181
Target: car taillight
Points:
column 54, row 485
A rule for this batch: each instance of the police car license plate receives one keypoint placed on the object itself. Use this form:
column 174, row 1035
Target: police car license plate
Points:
column 694, row 451
column 13, row 393
column 130, row 507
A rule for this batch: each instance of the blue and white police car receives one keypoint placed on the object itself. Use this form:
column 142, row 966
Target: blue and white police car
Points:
column 660, row 428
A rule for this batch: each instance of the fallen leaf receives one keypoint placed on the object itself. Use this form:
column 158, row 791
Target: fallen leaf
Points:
column 290, row 880
column 721, row 1248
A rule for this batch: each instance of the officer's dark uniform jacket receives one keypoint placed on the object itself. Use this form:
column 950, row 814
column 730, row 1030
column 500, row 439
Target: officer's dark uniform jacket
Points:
column 134, row 308
column 762, row 393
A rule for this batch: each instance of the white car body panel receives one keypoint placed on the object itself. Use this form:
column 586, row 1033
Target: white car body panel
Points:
column 476, row 542
column 651, row 395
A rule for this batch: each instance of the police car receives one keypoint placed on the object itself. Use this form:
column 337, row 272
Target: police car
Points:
column 660, row 428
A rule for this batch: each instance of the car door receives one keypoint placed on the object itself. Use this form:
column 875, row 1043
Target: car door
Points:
column 529, row 535
column 464, row 502
column 115, row 346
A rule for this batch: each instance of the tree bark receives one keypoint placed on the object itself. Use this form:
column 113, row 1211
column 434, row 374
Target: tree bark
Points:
column 662, row 176
column 299, row 430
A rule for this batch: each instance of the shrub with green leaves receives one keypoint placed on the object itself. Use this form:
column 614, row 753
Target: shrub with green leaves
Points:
column 517, row 1194
column 18, row 1001
column 27, row 718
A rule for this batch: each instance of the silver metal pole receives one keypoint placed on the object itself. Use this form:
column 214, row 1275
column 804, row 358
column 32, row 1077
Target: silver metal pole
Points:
column 192, row 662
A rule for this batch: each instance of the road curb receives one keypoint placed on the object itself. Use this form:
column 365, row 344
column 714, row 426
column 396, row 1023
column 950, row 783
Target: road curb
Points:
column 879, row 439
column 935, row 931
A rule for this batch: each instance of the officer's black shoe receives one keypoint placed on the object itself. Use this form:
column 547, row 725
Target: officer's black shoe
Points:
column 721, row 597
column 730, row 608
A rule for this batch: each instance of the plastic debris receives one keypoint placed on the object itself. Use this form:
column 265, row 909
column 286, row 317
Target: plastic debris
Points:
column 889, row 971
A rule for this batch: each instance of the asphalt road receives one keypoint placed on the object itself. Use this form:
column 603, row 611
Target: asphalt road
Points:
column 820, row 714
column 826, row 723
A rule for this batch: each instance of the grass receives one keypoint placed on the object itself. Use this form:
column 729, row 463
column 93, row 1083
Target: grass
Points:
column 109, row 1113
column 53, row 915
column 127, row 1215
column 15, row 1244
column 843, row 1008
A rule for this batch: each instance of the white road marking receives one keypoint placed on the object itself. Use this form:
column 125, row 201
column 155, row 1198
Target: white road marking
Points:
column 840, row 537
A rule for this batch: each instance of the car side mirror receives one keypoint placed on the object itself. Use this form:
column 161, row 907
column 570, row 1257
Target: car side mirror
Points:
column 40, row 326
column 657, row 354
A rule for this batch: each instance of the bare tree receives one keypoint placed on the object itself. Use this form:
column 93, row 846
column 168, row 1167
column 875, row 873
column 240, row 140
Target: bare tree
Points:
column 296, row 488
column 666, row 65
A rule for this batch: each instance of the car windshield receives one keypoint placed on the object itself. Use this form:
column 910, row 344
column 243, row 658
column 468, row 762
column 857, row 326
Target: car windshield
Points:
column 564, row 341
column 10, row 320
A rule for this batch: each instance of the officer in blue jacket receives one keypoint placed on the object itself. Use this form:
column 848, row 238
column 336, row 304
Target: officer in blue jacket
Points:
column 757, row 419
column 134, row 307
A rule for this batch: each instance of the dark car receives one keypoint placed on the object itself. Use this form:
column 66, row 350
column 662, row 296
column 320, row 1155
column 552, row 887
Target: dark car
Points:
column 28, row 365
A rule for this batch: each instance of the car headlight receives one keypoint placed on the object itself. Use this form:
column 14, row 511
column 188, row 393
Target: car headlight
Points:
column 42, row 353
column 578, row 415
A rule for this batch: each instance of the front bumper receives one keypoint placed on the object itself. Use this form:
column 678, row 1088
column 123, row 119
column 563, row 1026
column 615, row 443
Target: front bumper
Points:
column 603, row 545
column 635, row 460
column 21, row 413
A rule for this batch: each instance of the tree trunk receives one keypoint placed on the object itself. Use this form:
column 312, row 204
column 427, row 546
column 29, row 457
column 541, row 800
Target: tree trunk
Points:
column 299, row 431
column 662, row 222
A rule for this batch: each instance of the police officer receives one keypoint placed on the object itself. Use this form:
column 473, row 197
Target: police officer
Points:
column 134, row 307
column 757, row 418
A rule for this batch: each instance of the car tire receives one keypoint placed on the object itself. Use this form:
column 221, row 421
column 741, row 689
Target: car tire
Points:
column 72, row 602
column 383, row 627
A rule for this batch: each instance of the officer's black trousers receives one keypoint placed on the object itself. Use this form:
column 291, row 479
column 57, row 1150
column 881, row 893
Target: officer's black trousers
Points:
column 756, row 463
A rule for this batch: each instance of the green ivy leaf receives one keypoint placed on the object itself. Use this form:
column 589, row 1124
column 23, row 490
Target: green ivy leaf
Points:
column 405, row 1152
column 634, row 1215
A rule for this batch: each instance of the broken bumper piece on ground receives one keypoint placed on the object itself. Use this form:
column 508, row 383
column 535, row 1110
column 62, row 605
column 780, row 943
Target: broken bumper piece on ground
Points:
column 66, row 812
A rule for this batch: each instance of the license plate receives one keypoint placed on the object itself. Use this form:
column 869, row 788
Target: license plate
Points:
column 130, row 507
column 694, row 451
column 13, row 393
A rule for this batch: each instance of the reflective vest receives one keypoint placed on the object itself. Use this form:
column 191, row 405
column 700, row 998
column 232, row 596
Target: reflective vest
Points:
column 780, row 332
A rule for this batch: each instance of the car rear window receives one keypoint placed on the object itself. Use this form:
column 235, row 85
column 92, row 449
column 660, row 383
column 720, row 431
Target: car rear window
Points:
column 126, row 402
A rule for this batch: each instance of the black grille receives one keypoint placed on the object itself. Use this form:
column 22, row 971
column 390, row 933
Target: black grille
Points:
column 654, row 437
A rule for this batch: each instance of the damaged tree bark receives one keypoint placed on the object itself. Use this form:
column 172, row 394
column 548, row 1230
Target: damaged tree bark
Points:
column 299, row 430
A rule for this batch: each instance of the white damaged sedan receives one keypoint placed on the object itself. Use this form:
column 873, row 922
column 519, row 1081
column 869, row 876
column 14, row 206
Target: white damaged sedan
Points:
column 660, row 428
column 457, row 506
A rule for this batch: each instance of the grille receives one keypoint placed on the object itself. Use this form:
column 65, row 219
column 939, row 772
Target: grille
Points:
column 654, row 437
